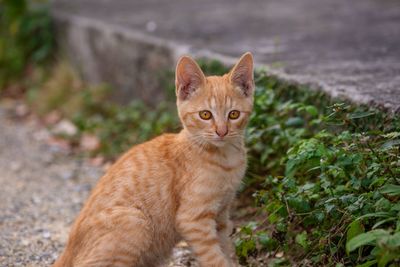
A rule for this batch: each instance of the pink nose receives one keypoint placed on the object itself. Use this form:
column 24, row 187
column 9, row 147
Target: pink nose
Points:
column 222, row 131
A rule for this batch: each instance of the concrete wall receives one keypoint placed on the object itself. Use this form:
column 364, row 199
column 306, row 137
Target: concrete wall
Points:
column 133, row 64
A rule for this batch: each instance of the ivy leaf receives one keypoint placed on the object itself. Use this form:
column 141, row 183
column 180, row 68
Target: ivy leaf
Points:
column 266, row 241
column 389, row 144
column 263, row 238
column 312, row 110
column 294, row 122
column 329, row 207
column 301, row 239
column 299, row 204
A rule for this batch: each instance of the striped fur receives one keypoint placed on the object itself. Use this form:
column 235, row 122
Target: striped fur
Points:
column 176, row 186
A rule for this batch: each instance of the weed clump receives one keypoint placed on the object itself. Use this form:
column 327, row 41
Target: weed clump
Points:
column 26, row 38
column 325, row 178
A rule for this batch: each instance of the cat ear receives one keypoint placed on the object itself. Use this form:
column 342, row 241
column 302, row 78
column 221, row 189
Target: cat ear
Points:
column 242, row 74
column 189, row 77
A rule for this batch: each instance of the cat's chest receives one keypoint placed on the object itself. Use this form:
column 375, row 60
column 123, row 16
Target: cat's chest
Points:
column 229, row 165
column 222, row 173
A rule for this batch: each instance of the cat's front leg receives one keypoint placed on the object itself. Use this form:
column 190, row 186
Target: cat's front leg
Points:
column 199, row 230
column 224, row 230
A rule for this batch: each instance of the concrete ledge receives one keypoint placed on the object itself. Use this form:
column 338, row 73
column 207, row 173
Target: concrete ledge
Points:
column 131, row 62
column 352, row 52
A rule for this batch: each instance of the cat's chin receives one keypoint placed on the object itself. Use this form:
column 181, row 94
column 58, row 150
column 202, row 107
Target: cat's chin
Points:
column 218, row 142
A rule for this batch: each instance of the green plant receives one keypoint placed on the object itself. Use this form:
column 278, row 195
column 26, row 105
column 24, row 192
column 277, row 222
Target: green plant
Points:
column 25, row 38
column 326, row 177
column 64, row 91
column 120, row 127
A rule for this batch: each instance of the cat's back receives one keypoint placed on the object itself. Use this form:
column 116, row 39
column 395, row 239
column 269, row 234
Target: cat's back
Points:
column 148, row 156
column 143, row 174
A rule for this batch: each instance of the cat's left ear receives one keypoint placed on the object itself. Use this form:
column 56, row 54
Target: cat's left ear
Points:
column 242, row 74
column 189, row 77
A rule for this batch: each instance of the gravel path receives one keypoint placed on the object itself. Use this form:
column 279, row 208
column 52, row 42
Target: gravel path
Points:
column 42, row 188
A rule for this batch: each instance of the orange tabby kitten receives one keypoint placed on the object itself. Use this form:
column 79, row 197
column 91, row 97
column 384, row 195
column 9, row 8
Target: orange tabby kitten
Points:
column 176, row 186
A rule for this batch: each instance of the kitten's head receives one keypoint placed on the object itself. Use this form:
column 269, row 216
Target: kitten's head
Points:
column 215, row 109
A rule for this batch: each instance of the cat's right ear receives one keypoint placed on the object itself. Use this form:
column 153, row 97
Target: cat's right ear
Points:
column 189, row 77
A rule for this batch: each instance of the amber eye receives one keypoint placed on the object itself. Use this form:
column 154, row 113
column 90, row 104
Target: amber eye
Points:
column 205, row 114
column 234, row 114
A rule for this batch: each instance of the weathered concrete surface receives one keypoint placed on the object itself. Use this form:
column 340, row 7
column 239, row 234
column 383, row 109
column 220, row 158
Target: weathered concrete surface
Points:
column 347, row 48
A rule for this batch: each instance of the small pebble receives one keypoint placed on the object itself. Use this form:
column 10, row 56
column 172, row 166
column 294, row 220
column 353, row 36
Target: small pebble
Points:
column 67, row 175
column 46, row 234
column 15, row 166
column 65, row 127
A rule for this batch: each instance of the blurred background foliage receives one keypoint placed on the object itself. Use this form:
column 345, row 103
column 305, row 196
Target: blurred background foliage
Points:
column 26, row 37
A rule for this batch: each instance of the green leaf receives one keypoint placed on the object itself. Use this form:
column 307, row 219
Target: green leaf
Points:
column 266, row 241
column 381, row 214
column 312, row 110
column 395, row 207
column 393, row 241
column 386, row 258
column 368, row 263
column 301, row 239
column 363, row 239
column 376, row 225
column 359, row 115
column 389, row 144
column 244, row 246
column 392, row 135
column 294, row 122
column 263, row 238
column 298, row 204
column 355, row 228
column 329, row 207
column 390, row 190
